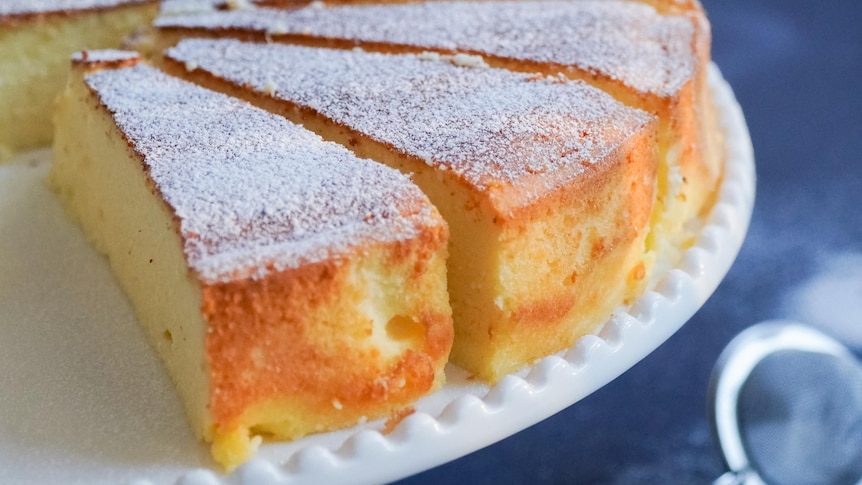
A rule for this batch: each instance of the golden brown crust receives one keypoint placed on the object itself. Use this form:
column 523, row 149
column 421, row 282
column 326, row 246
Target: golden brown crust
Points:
column 637, row 156
column 266, row 341
column 552, row 320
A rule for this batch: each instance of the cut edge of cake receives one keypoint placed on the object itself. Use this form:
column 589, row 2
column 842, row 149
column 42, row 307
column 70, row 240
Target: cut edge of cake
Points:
column 273, row 347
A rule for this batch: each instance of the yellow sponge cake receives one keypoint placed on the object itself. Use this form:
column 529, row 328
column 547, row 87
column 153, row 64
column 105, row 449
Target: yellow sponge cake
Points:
column 36, row 40
column 313, row 206
column 547, row 185
column 288, row 286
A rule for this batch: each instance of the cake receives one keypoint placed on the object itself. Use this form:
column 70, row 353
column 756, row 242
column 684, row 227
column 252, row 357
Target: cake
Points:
column 547, row 184
column 288, row 286
column 36, row 40
column 291, row 279
column 653, row 60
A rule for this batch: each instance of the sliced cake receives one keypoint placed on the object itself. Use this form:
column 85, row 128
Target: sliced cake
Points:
column 36, row 40
column 547, row 184
column 289, row 286
column 646, row 59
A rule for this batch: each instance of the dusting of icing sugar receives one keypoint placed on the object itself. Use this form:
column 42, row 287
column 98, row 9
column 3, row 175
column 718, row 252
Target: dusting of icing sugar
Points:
column 185, row 7
column 251, row 191
column 495, row 129
column 29, row 7
column 831, row 298
column 626, row 41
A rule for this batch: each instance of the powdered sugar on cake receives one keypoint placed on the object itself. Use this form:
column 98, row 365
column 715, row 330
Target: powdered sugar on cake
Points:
column 626, row 41
column 494, row 128
column 251, row 191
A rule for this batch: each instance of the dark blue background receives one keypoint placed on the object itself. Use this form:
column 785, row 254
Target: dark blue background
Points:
column 796, row 69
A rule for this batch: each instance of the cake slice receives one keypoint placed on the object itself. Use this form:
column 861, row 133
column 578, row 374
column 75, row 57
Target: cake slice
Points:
column 547, row 184
column 36, row 40
column 646, row 59
column 288, row 286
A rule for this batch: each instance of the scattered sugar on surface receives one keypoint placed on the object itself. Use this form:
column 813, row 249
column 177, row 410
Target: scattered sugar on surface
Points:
column 24, row 7
column 831, row 298
column 252, row 191
column 492, row 127
column 626, row 41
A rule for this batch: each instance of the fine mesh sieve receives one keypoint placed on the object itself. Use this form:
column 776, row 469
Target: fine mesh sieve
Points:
column 786, row 408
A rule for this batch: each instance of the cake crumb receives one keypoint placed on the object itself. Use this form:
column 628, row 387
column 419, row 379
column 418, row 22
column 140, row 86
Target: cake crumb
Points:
column 238, row 4
column 429, row 56
column 337, row 404
column 276, row 29
column 467, row 60
column 255, row 443
column 396, row 419
column 270, row 88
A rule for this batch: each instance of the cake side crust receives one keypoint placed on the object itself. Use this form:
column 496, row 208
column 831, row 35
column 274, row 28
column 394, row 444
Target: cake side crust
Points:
column 328, row 345
column 591, row 240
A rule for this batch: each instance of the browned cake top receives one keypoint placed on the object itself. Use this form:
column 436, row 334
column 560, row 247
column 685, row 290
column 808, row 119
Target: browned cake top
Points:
column 508, row 134
column 626, row 41
column 251, row 191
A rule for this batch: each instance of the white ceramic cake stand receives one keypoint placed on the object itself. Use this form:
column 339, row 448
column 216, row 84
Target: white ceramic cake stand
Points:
column 83, row 399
